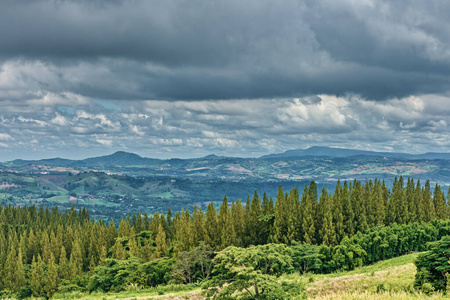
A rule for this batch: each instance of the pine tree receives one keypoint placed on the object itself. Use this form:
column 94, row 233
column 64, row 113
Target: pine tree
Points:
column 308, row 206
column 338, row 217
column 293, row 211
column 280, row 226
column 427, row 202
column 146, row 253
column 347, row 209
column 227, row 234
column 63, row 270
column 359, row 207
column 47, row 249
column 184, row 234
column 103, row 256
column 37, row 275
column 377, row 208
column 51, row 280
column 238, row 216
column 133, row 250
column 411, row 200
column 20, row 271
column 421, row 214
column 198, row 226
column 327, row 232
column 252, row 214
column 212, row 227
column 9, row 268
column 439, row 203
column 14, row 275
column 76, row 260
column 118, row 250
column 161, row 243
column 267, row 218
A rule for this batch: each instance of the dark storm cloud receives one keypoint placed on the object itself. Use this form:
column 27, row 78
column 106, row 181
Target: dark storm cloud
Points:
column 187, row 50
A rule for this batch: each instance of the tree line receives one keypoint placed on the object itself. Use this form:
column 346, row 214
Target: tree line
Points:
column 71, row 248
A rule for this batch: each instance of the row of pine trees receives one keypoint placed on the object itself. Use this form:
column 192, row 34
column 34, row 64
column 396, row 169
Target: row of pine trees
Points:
column 65, row 246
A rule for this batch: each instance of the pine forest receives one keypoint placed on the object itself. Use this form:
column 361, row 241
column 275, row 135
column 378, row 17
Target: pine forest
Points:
column 238, row 249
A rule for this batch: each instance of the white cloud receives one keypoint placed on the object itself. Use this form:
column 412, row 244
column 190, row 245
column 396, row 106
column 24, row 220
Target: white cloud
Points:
column 261, row 126
column 5, row 137
column 59, row 120
column 105, row 142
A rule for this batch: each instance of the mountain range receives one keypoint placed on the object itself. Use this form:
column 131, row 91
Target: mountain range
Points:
column 125, row 182
column 122, row 158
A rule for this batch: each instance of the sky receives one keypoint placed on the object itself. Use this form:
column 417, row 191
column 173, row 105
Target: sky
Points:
column 188, row 78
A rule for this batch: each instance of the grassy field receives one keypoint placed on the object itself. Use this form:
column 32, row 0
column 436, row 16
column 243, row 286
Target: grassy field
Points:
column 175, row 292
column 389, row 279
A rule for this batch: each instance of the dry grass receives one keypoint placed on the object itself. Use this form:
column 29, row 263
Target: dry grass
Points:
column 392, row 279
column 375, row 296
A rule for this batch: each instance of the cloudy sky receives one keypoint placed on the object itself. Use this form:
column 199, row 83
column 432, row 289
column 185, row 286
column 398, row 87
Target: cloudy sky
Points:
column 188, row 78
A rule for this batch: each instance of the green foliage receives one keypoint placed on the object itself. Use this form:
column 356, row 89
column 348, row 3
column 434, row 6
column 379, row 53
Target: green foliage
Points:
column 433, row 267
column 116, row 275
column 250, row 273
column 306, row 258
column 39, row 248
column 194, row 265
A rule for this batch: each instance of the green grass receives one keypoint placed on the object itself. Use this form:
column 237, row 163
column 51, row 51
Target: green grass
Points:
column 171, row 291
column 389, row 279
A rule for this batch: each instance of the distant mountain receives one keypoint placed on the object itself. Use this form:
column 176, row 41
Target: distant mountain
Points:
column 120, row 158
column 317, row 151
column 48, row 162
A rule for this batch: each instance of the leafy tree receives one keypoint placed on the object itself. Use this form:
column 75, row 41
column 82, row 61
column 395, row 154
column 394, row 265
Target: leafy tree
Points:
column 306, row 258
column 250, row 273
column 433, row 266
column 193, row 265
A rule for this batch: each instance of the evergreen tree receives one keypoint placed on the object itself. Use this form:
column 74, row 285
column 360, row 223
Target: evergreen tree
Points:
column 280, row 225
column 327, row 232
column 161, row 243
column 238, row 216
column 411, row 200
column 293, row 211
column 133, row 250
column 253, row 225
column 63, row 269
column 439, row 203
column 378, row 208
column 347, row 209
column 118, row 250
column 421, row 215
column 212, row 227
column 37, row 276
column 226, row 226
column 184, row 234
column 76, row 259
column 14, row 275
column 198, row 226
column 359, row 207
column 307, row 206
column 427, row 203
column 51, row 280
column 338, row 217
column 267, row 218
